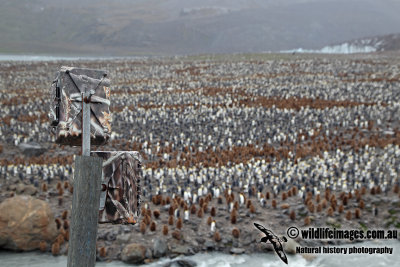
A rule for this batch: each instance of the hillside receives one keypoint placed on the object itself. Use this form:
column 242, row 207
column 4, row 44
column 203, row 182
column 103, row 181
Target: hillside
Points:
column 126, row 27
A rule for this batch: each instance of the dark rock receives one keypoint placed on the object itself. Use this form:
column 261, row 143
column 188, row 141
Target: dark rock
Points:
column 133, row 253
column 31, row 149
column 210, row 245
column 181, row 263
column 200, row 240
column 160, row 248
column 111, row 236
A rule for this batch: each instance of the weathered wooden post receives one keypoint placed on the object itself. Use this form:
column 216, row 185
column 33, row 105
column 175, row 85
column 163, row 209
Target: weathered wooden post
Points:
column 74, row 90
column 85, row 202
column 85, row 206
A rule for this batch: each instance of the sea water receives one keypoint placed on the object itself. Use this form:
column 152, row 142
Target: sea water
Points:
column 36, row 259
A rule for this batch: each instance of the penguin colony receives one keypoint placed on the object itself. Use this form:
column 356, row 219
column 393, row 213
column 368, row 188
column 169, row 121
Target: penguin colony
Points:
column 227, row 142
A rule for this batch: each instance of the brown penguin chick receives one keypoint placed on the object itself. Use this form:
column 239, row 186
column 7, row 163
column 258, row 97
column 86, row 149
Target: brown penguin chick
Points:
column 319, row 207
column 292, row 215
column 233, row 216
column 361, row 204
column 60, row 239
column 176, row 235
column 205, row 207
column 143, row 211
column 43, row 246
column 103, row 252
column 334, row 205
column 149, row 213
column 60, row 201
column 179, row 224
column 156, row 214
column 147, row 220
column 66, row 224
column 318, row 198
column 66, row 185
column 44, row 187
column 311, row 207
column 273, row 203
column 307, row 220
column 200, row 213
column 71, row 189
column 324, row 203
column 165, row 229
column 171, row 220
column 209, row 220
column 284, row 196
column 252, row 209
column 267, row 195
column 341, row 208
column 363, row 190
column 235, row 233
column 154, row 200
column 201, row 202
column 58, row 223
column 55, row 249
column 58, row 186
column 345, row 200
column 396, row 189
column 357, row 213
column 64, row 215
column 348, row 215
column 217, row 236
column 372, row 192
column 193, row 209
column 248, row 204
column 213, row 211
column 236, row 205
column 171, row 210
column 60, row 191
column 152, row 226
column 182, row 203
column 330, row 212
column 327, row 193
column 294, row 190
column 142, row 227
column 66, row 235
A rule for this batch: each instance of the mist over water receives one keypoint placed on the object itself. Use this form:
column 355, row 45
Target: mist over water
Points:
column 36, row 259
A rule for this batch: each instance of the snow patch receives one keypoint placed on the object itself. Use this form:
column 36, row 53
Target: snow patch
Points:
column 344, row 48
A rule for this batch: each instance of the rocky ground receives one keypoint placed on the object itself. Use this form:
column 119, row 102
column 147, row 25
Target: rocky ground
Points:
column 305, row 141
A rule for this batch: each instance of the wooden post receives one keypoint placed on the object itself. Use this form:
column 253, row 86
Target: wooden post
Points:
column 85, row 202
column 85, row 211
